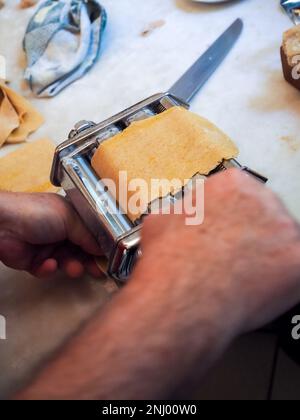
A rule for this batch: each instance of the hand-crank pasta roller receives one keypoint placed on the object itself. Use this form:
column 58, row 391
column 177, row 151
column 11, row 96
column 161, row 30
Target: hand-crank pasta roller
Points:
column 118, row 235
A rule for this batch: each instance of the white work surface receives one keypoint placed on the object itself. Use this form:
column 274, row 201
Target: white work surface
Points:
column 247, row 98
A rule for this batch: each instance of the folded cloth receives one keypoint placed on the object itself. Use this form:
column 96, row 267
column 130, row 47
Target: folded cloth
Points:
column 18, row 118
column 62, row 42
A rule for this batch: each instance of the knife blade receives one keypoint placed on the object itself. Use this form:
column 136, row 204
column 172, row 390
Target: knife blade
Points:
column 193, row 80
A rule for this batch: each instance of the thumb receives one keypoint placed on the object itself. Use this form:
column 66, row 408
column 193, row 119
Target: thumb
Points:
column 78, row 234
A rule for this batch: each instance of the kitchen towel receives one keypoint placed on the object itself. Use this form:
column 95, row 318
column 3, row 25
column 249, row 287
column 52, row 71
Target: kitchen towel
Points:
column 62, row 42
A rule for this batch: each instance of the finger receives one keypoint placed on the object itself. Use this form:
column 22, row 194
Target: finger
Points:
column 43, row 264
column 92, row 268
column 23, row 256
column 73, row 268
column 78, row 234
column 69, row 260
column 86, row 262
column 46, row 269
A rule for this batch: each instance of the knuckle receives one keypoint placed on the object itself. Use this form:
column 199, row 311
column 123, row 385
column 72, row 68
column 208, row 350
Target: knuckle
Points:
column 230, row 181
column 238, row 179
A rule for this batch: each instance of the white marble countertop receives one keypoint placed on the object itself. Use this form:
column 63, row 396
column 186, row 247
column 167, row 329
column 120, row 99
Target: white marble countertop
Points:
column 247, row 98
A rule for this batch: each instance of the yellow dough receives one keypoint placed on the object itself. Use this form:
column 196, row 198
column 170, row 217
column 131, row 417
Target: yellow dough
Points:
column 18, row 118
column 28, row 168
column 9, row 119
column 174, row 144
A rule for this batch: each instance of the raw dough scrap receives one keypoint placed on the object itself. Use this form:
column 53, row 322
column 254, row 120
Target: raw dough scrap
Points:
column 174, row 144
column 28, row 168
column 24, row 4
column 18, row 118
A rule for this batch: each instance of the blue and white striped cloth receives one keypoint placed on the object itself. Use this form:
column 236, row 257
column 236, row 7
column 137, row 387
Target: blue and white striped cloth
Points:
column 62, row 42
column 292, row 9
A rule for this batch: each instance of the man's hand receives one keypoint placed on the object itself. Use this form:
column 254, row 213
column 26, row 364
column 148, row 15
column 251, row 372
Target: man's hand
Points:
column 244, row 259
column 41, row 233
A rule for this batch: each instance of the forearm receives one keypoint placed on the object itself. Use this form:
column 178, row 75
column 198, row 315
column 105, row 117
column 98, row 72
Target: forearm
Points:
column 146, row 344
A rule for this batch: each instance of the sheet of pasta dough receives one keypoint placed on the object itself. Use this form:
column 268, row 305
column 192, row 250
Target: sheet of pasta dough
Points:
column 28, row 168
column 18, row 118
column 174, row 144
